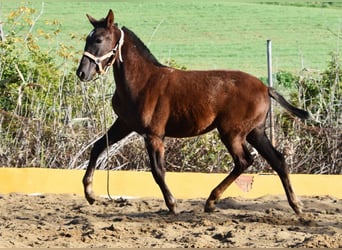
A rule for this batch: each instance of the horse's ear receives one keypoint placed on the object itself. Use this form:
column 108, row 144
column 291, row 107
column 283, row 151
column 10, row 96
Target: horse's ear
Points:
column 92, row 20
column 110, row 18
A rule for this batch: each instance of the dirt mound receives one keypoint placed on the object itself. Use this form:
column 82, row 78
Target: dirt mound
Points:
column 68, row 221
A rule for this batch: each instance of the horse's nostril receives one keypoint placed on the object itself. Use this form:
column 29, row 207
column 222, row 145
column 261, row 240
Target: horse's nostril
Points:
column 81, row 75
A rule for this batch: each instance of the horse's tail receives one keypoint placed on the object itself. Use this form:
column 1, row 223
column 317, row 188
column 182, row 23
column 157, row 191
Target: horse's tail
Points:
column 302, row 114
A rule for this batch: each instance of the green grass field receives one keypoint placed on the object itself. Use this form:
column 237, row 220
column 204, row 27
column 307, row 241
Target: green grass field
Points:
column 207, row 34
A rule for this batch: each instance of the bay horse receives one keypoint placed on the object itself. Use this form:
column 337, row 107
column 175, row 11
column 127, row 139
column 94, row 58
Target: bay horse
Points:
column 157, row 101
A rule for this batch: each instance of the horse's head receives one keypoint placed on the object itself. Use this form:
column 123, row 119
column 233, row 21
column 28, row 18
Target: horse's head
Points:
column 101, row 46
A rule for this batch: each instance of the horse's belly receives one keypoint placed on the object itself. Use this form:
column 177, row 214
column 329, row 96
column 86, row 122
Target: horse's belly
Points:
column 189, row 127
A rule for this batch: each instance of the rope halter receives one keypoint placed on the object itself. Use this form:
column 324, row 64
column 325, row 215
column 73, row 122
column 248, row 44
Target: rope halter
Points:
column 111, row 54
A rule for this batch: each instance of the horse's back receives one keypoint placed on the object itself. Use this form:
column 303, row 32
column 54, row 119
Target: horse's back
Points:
column 217, row 89
column 202, row 100
column 219, row 80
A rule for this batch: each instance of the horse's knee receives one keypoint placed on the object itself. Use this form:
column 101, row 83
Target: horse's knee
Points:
column 248, row 156
column 155, row 144
column 281, row 168
column 155, row 148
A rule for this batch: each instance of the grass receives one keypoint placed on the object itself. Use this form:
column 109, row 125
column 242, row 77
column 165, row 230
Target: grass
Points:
column 207, row 34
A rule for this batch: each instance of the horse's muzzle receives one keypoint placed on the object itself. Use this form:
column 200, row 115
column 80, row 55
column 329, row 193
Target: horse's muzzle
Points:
column 84, row 73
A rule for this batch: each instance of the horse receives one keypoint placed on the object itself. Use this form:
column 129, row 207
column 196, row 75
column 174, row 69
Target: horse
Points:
column 157, row 101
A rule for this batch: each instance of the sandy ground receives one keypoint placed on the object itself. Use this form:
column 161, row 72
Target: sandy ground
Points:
column 51, row 220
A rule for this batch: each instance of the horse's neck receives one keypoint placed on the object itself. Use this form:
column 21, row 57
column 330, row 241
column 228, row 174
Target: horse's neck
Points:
column 134, row 69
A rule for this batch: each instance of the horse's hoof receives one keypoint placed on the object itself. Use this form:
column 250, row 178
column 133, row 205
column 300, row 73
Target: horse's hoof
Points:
column 173, row 211
column 297, row 206
column 209, row 207
column 171, row 205
column 298, row 211
column 90, row 199
column 172, row 208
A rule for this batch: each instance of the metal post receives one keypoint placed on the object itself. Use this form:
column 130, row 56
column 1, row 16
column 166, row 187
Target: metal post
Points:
column 270, row 84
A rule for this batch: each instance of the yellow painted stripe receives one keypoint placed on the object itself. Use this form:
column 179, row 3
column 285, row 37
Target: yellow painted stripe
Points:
column 141, row 184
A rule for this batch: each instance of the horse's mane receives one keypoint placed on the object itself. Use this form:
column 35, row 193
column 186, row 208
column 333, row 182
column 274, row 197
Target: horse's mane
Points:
column 142, row 47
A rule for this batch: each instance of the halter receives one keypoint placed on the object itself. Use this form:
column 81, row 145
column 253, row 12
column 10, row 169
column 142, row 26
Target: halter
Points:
column 112, row 53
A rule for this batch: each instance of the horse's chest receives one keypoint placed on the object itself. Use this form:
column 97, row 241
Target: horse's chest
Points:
column 122, row 107
column 128, row 111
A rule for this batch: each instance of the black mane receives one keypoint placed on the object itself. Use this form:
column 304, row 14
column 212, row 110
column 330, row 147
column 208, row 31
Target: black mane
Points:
column 142, row 47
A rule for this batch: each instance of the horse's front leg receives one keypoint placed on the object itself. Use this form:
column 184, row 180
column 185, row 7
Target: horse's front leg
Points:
column 116, row 132
column 155, row 148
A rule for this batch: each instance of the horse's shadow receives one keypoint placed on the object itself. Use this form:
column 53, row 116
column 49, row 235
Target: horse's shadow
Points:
column 271, row 211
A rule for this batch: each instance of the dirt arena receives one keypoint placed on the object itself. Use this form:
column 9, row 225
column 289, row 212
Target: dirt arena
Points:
column 51, row 220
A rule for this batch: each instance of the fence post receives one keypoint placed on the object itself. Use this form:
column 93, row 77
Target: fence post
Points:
column 270, row 84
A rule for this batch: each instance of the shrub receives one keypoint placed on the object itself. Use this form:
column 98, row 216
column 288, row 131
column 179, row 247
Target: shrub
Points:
column 42, row 103
column 314, row 146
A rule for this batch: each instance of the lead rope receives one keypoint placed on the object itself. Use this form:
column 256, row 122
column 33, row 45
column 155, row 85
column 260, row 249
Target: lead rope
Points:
column 98, row 60
column 106, row 134
column 121, row 41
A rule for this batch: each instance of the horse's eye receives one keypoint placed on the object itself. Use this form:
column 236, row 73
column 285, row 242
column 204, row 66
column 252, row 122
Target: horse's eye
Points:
column 98, row 40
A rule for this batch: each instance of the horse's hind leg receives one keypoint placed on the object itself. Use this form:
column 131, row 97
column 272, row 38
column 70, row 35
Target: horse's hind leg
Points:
column 155, row 148
column 242, row 160
column 116, row 132
column 258, row 139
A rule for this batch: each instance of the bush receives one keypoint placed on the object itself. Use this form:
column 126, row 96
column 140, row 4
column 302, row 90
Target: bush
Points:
column 44, row 109
column 314, row 146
